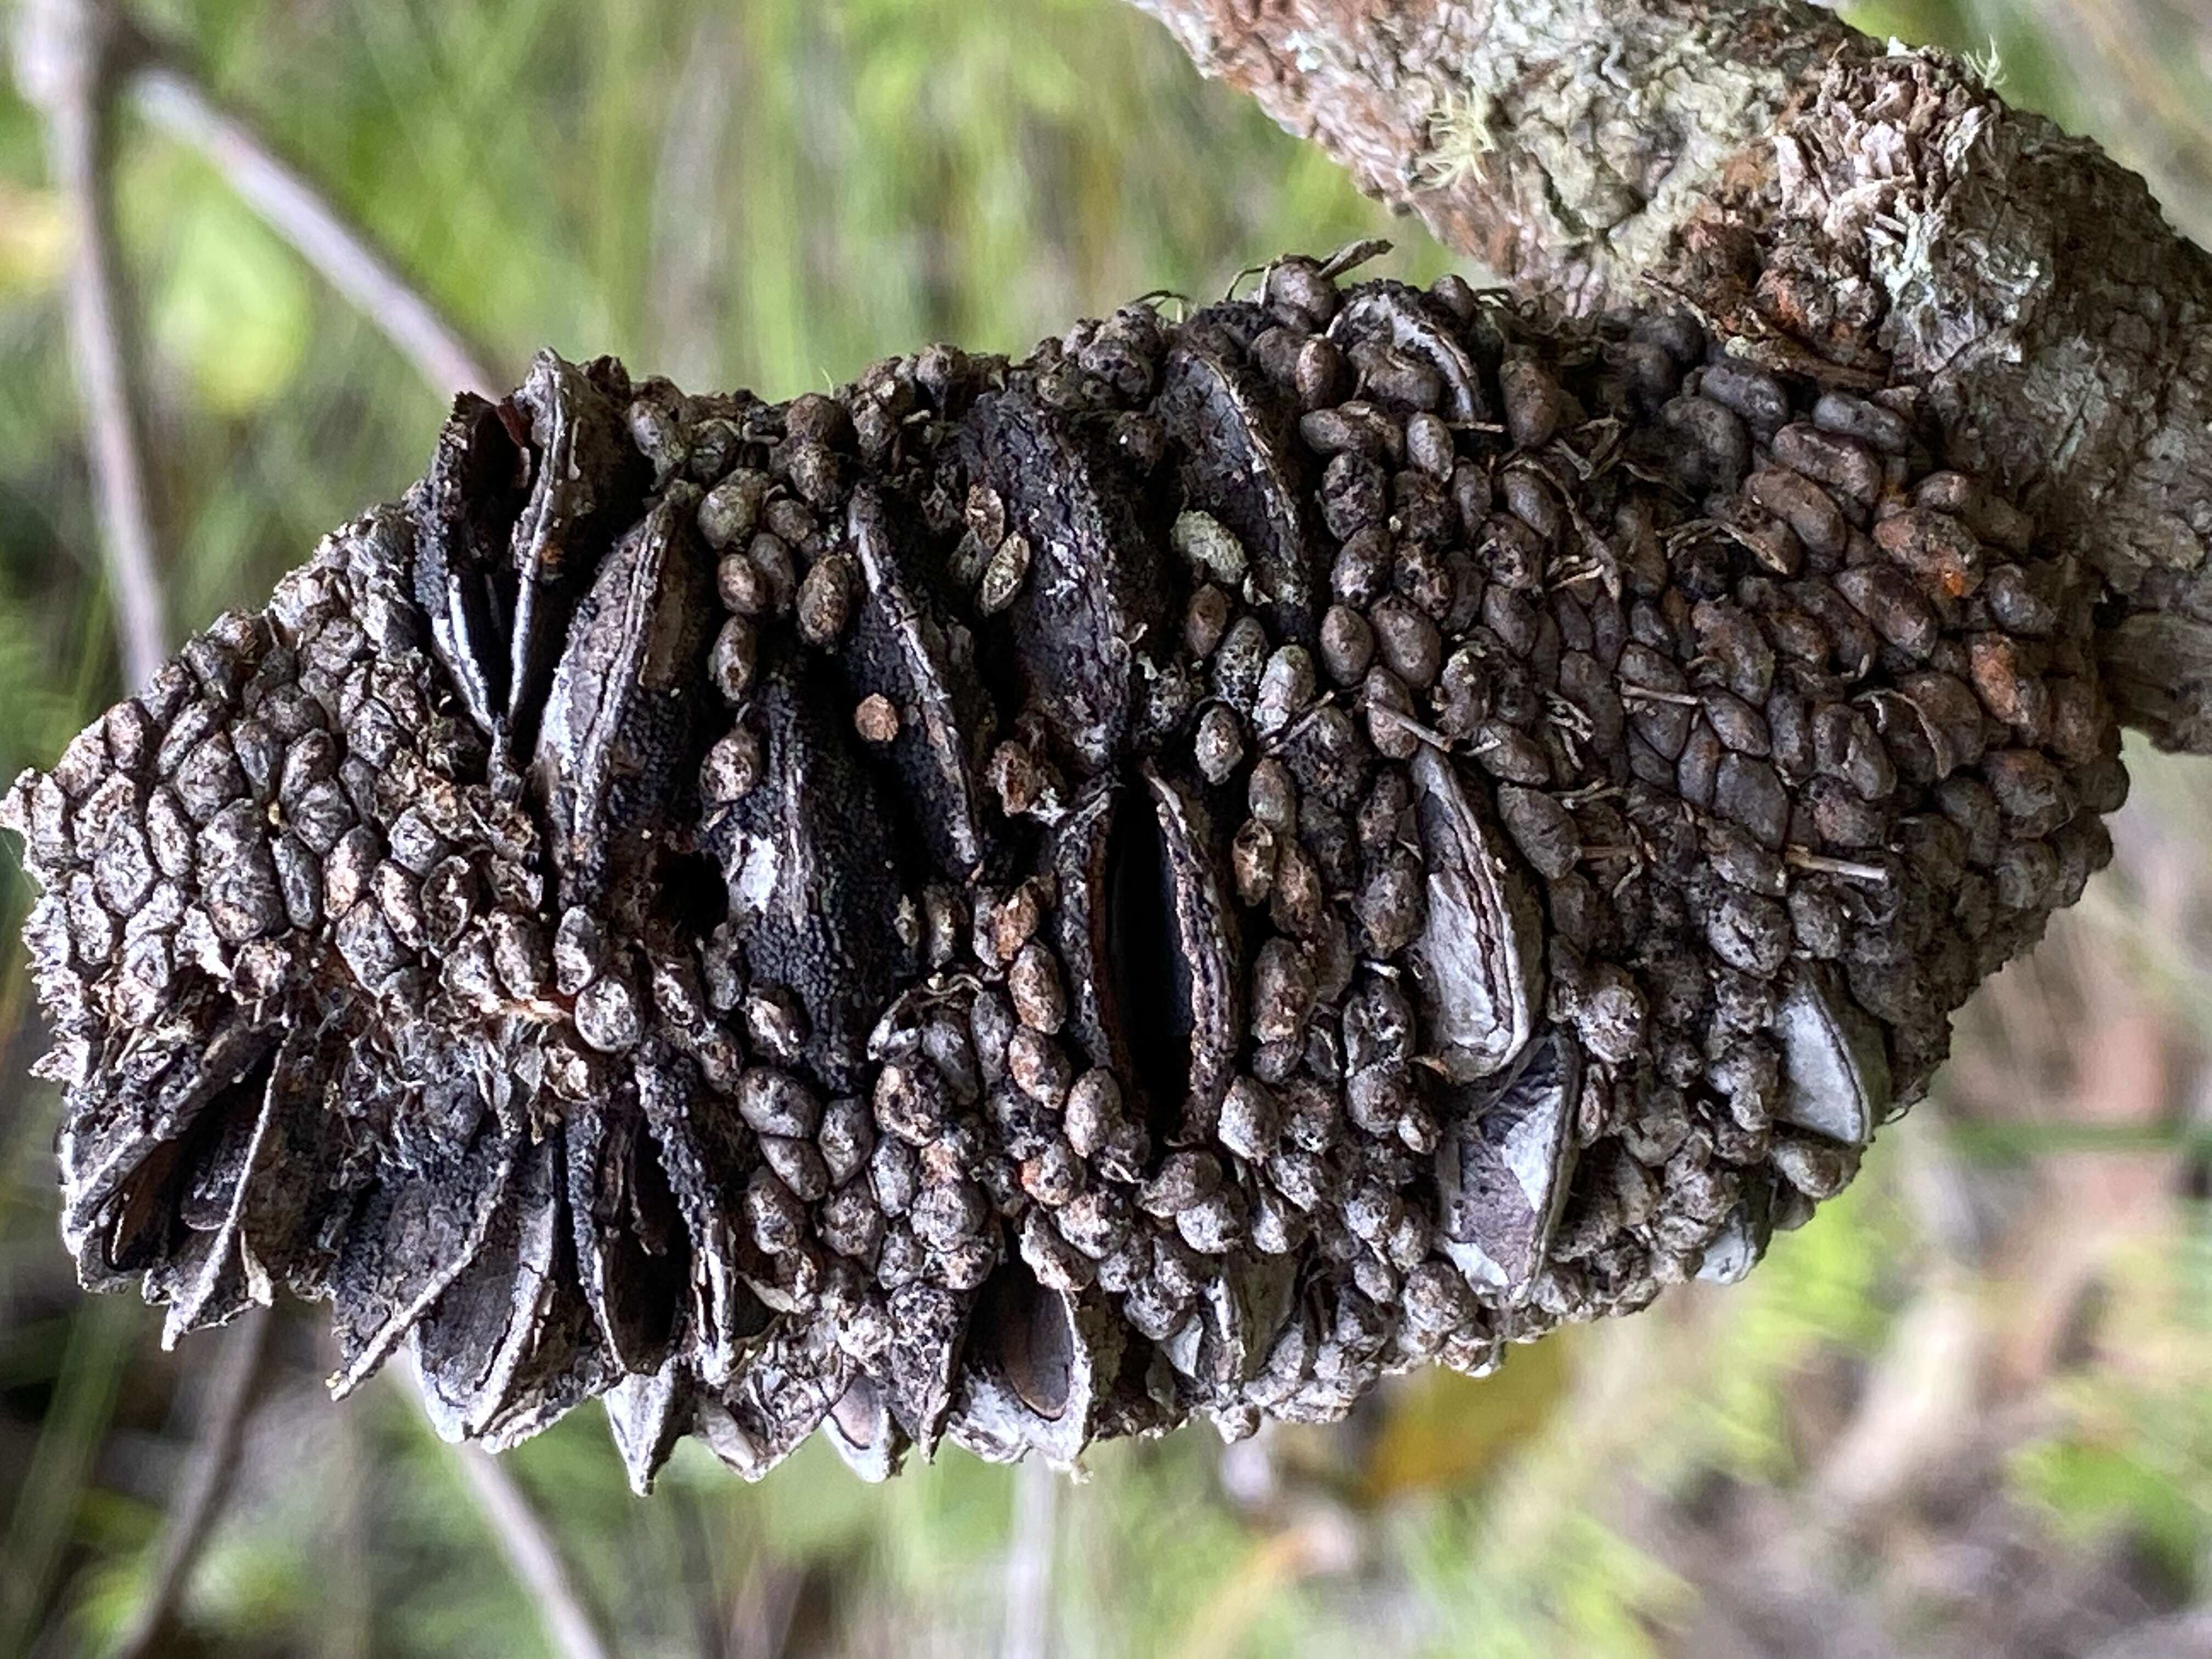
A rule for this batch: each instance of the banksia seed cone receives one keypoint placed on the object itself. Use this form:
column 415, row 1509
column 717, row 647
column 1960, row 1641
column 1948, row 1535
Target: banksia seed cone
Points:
column 1027, row 901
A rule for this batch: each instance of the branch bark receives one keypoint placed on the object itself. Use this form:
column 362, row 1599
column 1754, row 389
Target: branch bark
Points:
column 1838, row 207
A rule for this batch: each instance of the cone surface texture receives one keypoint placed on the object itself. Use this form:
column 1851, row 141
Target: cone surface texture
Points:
column 1025, row 903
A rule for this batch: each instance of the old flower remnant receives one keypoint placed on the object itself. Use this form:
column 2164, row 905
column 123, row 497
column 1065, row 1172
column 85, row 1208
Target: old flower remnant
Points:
column 1026, row 903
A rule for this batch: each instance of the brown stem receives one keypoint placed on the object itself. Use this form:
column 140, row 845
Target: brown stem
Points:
column 1839, row 209
column 63, row 57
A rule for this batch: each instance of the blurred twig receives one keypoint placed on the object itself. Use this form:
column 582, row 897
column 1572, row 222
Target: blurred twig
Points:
column 689, row 239
column 766, row 1606
column 349, row 1621
column 1028, row 1633
column 205, row 1482
column 698, row 1559
column 2123, row 1062
column 531, row 1551
column 63, row 59
column 64, row 53
column 170, row 96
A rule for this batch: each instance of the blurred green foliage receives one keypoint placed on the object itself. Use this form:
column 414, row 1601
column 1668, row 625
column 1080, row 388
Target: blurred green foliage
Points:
column 773, row 193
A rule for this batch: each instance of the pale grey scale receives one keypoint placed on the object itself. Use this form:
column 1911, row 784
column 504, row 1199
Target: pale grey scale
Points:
column 347, row 866
column 774, row 1215
column 399, row 896
column 300, row 880
column 519, row 952
column 209, row 778
column 894, row 1175
column 415, row 844
column 260, row 755
column 141, row 988
column 216, row 668
column 123, row 871
column 449, row 898
column 282, row 703
column 607, row 1014
column 578, row 949
column 735, row 658
column 39, row 809
column 852, row 1222
column 1040, row 1067
column 112, row 805
column 467, row 973
column 799, row 1166
column 238, row 880
column 902, row 1260
column 774, row 1102
column 371, row 949
column 373, row 734
column 191, row 728
column 311, row 759
column 783, row 1394
column 947, row 1042
column 845, row 1135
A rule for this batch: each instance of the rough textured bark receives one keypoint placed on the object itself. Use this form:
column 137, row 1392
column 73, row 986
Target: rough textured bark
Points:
column 1841, row 208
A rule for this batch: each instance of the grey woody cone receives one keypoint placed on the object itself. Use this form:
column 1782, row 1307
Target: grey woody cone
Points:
column 1025, row 902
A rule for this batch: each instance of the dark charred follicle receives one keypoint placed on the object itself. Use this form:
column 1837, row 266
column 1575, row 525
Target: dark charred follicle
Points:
column 1479, row 959
column 615, row 732
column 1079, row 571
column 1240, row 467
column 910, row 648
column 1027, row 903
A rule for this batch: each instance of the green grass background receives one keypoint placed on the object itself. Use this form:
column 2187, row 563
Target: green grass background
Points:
column 773, row 193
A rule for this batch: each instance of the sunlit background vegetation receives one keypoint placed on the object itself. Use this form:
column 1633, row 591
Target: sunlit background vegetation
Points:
column 1965, row 1412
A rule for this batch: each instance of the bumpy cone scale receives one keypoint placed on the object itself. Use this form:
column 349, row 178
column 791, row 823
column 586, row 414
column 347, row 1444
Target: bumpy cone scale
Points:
column 1025, row 903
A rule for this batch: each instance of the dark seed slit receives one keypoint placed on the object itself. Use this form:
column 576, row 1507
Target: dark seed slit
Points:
column 1150, row 1004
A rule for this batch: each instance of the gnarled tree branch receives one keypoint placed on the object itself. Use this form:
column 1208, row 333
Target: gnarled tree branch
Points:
column 1564, row 142
column 1847, row 209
